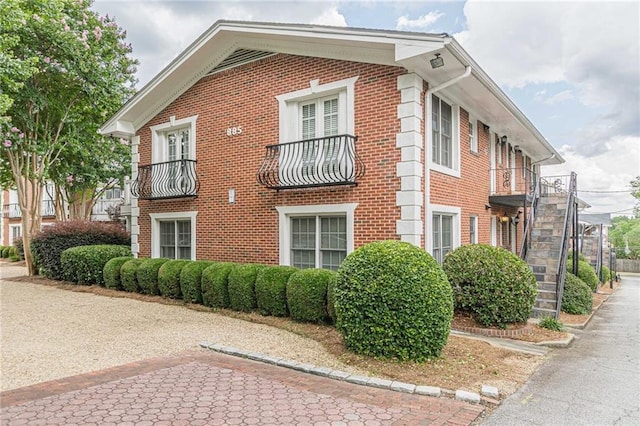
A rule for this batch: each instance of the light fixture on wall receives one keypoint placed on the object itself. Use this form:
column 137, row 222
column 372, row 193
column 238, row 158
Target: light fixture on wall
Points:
column 504, row 219
column 516, row 219
column 503, row 139
column 485, row 127
column 437, row 62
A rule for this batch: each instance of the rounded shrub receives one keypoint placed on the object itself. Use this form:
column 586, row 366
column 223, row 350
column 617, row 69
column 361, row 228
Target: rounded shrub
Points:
column 111, row 272
column 169, row 278
column 84, row 264
column 215, row 285
column 5, row 252
column 242, row 282
column 606, row 274
column 393, row 300
column 331, row 299
column 271, row 290
column 586, row 273
column 128, row 277
column 191, row 280
column 577, row 297
column 307, row 294
column 494, row 285
column 147, row 275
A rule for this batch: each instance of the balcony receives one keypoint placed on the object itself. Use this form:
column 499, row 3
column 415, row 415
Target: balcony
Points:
column 327, row 161
column 12, row 211
column 512, row 186
column 171, row 179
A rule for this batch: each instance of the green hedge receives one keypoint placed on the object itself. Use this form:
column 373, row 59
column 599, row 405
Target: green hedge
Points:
column 84, row 264
column 331, row 299
column 271, row 290
column 586, row 273
column 111, row 272
column 393, row 300
column 577, row 297
column 191, row 280
column 606, row 274
column 147, row 275
column 169, row 278
column 5, row 252
column 492, row 284
column 128, row 278
column 242, row 292
column 215, row 285
column 307, row 294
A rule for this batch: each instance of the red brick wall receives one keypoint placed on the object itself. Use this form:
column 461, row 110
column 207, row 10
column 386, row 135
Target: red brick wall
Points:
column 247, row 231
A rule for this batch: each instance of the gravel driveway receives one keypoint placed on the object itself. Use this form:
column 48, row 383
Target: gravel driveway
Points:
column 48, row 333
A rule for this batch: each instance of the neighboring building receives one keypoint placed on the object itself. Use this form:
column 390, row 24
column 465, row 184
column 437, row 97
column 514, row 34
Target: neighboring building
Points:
column 311, row 141
column 594, row 239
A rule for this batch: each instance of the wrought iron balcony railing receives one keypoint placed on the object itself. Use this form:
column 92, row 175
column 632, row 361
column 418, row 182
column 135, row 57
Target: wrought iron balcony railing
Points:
column 13, row 210
column 512, row 181
column 171, row 179
column 327, row 161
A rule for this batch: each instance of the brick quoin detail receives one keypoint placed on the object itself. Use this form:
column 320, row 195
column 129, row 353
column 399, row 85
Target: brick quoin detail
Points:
column 247, row 231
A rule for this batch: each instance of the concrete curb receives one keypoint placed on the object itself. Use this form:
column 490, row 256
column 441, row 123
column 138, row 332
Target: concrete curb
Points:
column 565, row 343
column 510, row 344
column 583, row 325
column 460, row 395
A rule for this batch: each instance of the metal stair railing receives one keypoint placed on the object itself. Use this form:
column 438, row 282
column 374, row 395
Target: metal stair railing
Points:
column 531, row 218
column 569, row 227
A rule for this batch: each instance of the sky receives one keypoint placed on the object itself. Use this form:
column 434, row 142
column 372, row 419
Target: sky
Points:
column 573, row 68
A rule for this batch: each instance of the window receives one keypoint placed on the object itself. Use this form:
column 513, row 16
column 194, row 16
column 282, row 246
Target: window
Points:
column 174, row 140
column 442, row 235
column 15, row 231
column 442, row 132
column 316, row 236
column 473, row 230
column 319, row 118
column 112, row 194
column 473, row 135
column 173, row 235
column 318, row 241
column 499, row 150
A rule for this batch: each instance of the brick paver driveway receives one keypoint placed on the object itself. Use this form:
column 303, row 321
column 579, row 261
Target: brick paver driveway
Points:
column 208, row 388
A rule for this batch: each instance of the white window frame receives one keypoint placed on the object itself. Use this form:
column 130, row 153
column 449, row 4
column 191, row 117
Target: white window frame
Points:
column 289, row 107
column 473, row 236
column 284, row 224
column 159, row 146
column 437, row 209
column 454, row 170
column 156, row 218
column 11, row 230
column 473, row 138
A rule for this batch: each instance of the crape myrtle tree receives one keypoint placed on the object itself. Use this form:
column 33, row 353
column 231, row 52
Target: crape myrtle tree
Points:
column 69, row 70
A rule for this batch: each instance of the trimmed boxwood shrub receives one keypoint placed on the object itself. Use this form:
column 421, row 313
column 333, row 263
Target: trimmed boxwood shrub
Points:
column 606, row 274
column 191, row 280
column 393, row 300
column 307, row 294
column 577, row 297
column 51, row 241
column 586, row 273
column 492, row 284
column 128, row 277
column 215, row 285
column 331, row 299
column 147, row 275
column 84, row 264
column 5, row 252
column 19, row 245
column 169, row 278
column 111, row 272
column 271, row 290
column 242, row 282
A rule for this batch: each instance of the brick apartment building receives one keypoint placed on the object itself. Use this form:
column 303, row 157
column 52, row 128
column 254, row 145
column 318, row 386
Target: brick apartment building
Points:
column 296, row 144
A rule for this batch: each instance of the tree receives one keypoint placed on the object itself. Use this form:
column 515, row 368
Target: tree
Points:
column 635, row 193
column 71, row 70
column 625, row 237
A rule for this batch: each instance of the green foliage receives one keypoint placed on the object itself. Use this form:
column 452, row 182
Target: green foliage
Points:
column 551, row 323
column 606, row 274
column 147, row 275
column 14, row 258
column 111, row 272
column 271, row 290
column 18, row 244
column 624, row 234
column 586, row 273
column 577, row 297
column 215, row 285
column 242, row 292
column 190, row 280
column 393, row 300
column 307, row 294
column 128, row 277
column 84, row 264
column 2, row 249
column 169, row 278
column 13, row 252
column 491, row 283
column 49, row 244
column 331, row 299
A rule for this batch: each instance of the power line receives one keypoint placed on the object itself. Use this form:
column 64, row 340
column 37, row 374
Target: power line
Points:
column 603, row 192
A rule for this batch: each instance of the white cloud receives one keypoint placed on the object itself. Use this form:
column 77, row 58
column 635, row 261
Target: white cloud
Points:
column 330, row 16
column 565, row 95
column 421, row 23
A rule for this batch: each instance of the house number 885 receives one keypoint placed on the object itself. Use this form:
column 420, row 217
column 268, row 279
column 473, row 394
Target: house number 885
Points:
column 234, row 131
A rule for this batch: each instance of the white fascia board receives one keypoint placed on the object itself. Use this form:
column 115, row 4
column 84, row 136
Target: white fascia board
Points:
column 121, row 129
column 406, row 50
column 495, row 90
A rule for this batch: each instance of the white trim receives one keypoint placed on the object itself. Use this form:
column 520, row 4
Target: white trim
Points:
column 284, row 224
column 494, row 230
column 155, row 229
column 11, row 228
column 455, row 136
column 474, row 218
column 456, row 212
column 474, row 145
column 493, row 162
column 288, row 106
column 158, row 145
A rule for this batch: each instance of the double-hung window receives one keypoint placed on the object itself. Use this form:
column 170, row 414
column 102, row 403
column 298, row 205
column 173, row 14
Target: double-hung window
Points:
column 175, row 239
column 318, row 241
column 473, row 229
column 320, row 119
column 442, row 132
column 473, row 135
column 442, row 229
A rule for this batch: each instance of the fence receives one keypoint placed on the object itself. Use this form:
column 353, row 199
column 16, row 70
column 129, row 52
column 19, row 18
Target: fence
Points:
column 628, row 265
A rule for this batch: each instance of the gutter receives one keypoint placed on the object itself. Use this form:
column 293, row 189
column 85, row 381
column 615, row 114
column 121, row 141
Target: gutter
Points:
column 454, row 80
column 543, row 160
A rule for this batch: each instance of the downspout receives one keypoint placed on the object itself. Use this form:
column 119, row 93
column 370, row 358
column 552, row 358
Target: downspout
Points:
column 544, row 159
column 427, row 150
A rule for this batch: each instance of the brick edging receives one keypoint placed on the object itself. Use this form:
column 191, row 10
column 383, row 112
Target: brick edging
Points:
column 494, row 332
